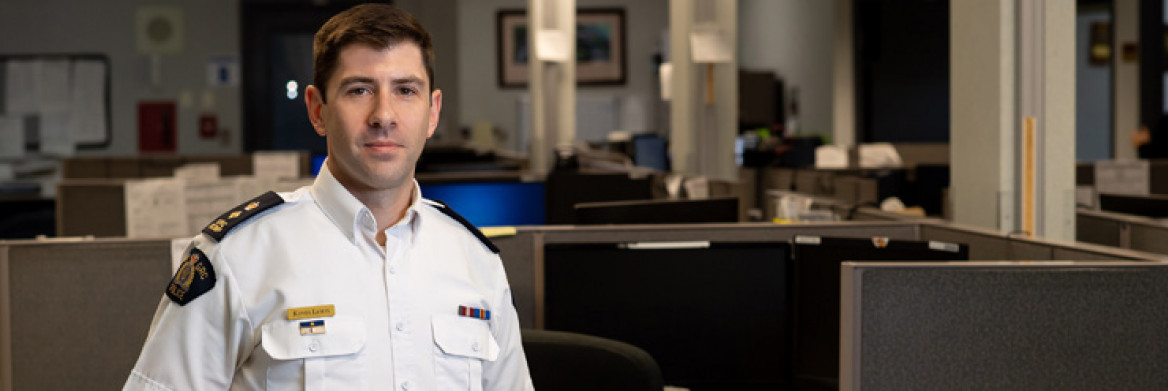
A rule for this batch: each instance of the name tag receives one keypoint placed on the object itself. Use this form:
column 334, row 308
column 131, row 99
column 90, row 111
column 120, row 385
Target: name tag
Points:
column 319, row 311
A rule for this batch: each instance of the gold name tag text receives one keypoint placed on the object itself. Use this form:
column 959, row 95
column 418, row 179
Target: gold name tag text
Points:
column 319, row 311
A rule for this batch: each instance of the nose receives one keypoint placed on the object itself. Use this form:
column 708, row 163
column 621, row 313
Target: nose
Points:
column 382, row 115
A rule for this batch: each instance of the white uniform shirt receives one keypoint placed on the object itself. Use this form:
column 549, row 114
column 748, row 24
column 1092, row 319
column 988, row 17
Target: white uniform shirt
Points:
column 396, row 323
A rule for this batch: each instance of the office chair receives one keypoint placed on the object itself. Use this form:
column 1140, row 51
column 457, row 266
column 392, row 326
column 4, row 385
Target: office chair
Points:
column 566, row 361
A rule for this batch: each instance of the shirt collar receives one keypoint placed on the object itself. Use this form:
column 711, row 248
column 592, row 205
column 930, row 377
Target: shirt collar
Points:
column 345, row 210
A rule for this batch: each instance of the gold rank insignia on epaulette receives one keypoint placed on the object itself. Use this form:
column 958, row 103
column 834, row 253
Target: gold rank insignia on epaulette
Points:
column 195, row 276
column 225, row 222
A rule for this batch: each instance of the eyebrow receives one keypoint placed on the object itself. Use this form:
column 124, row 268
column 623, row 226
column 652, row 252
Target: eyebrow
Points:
column 398, row 81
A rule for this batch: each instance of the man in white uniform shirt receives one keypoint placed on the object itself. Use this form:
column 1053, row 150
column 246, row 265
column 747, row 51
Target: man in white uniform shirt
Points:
column 355, row 282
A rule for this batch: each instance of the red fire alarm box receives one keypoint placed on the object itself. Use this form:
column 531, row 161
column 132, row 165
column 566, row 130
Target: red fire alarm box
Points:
column 156, row 126
column 208, row 125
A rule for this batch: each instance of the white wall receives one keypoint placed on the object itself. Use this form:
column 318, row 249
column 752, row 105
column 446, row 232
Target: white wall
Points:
column 795, row 39
column 108, row 27
column 480, row 97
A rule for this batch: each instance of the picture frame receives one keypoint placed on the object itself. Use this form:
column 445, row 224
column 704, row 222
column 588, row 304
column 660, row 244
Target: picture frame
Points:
column 600, row 47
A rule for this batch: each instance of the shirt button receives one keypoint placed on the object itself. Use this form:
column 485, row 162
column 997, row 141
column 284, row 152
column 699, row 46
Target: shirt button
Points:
column 405, row 386
column 400, row 326
column 314, row 345
column 392, row 269
column 474, row 346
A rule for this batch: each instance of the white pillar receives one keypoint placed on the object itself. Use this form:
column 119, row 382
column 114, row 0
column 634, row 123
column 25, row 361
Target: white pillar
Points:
column 552, row 85
column 703, row 130
column 1012, row 63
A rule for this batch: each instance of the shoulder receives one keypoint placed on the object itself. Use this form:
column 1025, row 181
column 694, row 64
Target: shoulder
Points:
column 449, row 213
column 248, row 212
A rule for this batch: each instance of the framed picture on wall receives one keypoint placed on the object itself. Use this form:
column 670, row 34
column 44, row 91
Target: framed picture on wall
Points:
column 600, row 47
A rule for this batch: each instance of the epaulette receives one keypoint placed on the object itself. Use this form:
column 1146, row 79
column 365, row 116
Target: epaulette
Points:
column 447, row 210
column 222, row 225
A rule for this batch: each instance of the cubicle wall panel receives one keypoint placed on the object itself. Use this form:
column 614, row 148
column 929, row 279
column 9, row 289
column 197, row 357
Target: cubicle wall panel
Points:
column 1078, row 254
column 982, row 246
column 518, row 252
column 1149, row 237
column 80, row 312
column 949, row 328
column 1097, row 229
column 5, row 324
column 1020, row 250
column 95, row 208
column 733, row 233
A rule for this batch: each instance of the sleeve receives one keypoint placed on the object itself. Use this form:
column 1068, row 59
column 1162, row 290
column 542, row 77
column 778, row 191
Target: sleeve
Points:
column 198, row 345
column 508, row 372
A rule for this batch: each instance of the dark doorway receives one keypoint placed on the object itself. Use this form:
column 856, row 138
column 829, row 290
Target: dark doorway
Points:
column 277, row 66
column 902, row 70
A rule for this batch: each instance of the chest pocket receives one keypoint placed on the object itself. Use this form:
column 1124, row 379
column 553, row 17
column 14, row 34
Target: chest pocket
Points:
column 315, row 358
column 461, row 346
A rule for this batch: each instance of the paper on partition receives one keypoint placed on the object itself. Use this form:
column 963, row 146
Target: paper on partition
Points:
column 7, row 172
column 156, row 208
column 1085, row 197
column 291, row 184
column 22, row 89
column 178, row 251
column 12, row 133
column 831, row 156
column 666, row 80
column 276, row 164
column 711, row 44
column 207, row 200
column 88, row 102
column 1124, row 177
column 56, row 136
column 198, row 172
column 697, row 188
column 879, row 155
column 54, row 84
column 551, row 45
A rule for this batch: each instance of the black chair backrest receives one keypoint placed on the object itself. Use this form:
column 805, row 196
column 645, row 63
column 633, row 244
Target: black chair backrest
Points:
column 570, row 361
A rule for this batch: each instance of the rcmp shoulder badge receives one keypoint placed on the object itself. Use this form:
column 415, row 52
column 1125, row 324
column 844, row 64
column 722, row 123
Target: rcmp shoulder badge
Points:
column 225, row 222
column 195, row 276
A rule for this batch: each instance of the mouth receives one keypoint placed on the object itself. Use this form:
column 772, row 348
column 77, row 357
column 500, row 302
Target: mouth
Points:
column 382, row 146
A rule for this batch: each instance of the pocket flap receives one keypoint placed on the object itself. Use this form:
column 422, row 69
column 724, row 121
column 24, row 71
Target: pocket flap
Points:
column 463, row 336
column 340, row 335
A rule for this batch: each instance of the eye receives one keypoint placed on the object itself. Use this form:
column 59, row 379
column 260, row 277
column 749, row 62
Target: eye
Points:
column 358, row 91
column 406, row 91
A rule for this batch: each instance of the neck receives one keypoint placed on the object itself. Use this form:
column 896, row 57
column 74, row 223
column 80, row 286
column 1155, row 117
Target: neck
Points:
column 387, row 205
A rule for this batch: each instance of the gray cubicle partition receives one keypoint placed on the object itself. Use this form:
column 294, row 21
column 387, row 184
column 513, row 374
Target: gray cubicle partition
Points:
column 1004, row 326
column 1148, row 235
column 991, row 245
column 1122, row 230
column 74, row 315
column 523, row 253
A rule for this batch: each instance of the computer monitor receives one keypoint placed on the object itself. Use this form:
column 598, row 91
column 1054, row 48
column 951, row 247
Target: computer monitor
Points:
column 1152, row 205
column 816, row 295
column 489, row 204
column 565, row 189
column 651, row 151
column 712, row 210
column 1004, row 326
column 713, row 315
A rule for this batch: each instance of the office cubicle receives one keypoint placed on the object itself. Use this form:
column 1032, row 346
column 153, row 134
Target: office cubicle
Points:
column 83, row 307
column 74, row 315
column 1004, row 326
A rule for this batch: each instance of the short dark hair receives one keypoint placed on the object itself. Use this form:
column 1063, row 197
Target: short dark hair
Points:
column 377, row 25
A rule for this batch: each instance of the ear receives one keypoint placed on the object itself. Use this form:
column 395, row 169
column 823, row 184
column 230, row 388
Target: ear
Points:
column 435, row 110
column 314, row 101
